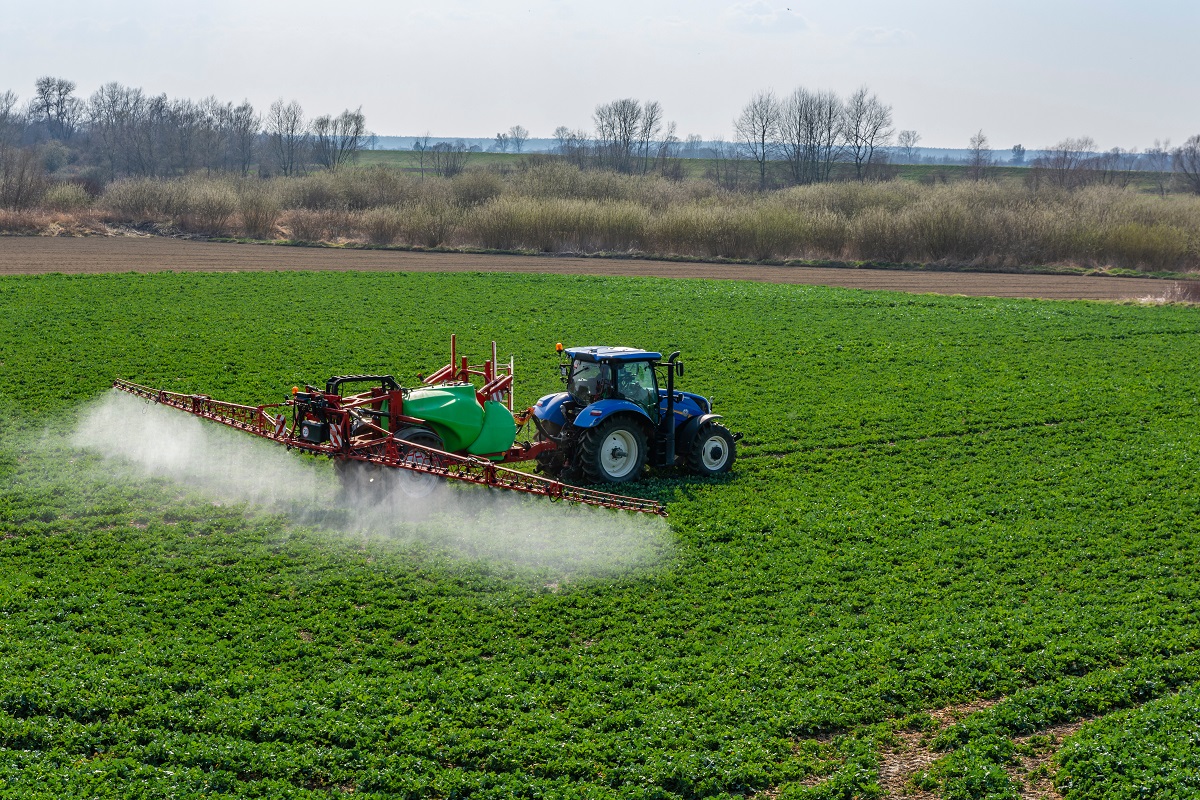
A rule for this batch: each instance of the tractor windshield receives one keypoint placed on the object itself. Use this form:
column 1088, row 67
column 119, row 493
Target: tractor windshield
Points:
column 584, row 385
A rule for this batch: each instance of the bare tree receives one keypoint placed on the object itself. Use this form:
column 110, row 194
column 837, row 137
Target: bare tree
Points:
column 907, row 142
column 212, row 141
column 829, row 115
column 22, row 177
column 518, row 135
column 1113, row 167
column 668, row 154
column 10, row 119
column 184, row 128
column 1065, row 164
column 287, row 136
column 648, row 131
column 810, row 134
column 979, row 157
column 337, row 140
column 1186, row 161
column 109, row 114
column 571, row 145
column 1156, row 161
column 562, row 139
column 692, row 146
column 627, row 134
column 243, row 124
column 55, row 106
column 796, row 133
column 422, row 147
column 756, row 128
column 501, row 144
column 449, row 159
column 146, row 148
column 618, row 125
column 867, row 129
column 1018, row 154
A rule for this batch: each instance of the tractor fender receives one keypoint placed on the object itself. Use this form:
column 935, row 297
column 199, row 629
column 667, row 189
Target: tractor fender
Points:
column 687, row 431
column 599, row 411
column 550, row 408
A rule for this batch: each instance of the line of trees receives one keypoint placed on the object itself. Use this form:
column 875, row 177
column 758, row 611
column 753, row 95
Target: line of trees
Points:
column 811, row 132
column 802, row 138
column 630, row 136
column 1076, row 162
column 123, row 131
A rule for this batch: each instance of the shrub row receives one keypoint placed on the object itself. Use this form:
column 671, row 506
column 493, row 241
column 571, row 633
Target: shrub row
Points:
column 554, row 207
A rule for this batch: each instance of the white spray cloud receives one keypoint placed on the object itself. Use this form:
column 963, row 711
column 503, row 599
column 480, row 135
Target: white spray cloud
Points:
column 145, row 440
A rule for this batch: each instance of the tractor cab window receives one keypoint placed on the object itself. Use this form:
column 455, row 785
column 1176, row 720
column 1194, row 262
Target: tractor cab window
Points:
column 584, row 384
column 636, row 383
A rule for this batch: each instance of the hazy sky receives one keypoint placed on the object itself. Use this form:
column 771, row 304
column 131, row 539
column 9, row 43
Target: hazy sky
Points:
column 1031, row 72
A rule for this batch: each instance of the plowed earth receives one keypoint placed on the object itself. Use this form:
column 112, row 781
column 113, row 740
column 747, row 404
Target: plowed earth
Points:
column 34, row 255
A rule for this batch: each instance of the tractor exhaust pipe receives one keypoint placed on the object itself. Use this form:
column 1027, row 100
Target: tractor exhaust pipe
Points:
column 669, row 422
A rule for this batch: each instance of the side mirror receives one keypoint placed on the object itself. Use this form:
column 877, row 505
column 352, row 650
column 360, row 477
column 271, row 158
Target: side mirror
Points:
column 679, row 368
column 564, row 369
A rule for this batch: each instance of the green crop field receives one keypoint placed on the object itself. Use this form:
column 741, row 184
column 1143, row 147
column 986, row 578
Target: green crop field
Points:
column 699, row 168
column 937, row 501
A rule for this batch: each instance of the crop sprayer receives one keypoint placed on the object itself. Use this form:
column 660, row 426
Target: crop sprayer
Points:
column 613, row 419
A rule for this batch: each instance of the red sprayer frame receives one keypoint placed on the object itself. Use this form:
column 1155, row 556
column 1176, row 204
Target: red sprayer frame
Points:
column 373, row 444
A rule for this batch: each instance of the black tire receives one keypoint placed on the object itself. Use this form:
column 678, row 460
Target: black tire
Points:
column 613, row 452
column 419, row 484
column 362, row 482
column 712, row 451
column 550, row 462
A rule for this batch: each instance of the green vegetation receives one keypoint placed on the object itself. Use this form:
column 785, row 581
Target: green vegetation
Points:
column 937, row 500
column 701, row 168
column 1150, row 752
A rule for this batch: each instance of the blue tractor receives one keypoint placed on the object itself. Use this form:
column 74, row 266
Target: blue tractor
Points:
column 615, row 417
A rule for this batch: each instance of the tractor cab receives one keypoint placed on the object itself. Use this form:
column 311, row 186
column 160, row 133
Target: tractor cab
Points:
column 613, row 373
column 617, row 416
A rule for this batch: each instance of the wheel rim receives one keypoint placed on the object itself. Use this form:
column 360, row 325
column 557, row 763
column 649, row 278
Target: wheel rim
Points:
column 419, row 484
column 715, row 452
column 619, row 454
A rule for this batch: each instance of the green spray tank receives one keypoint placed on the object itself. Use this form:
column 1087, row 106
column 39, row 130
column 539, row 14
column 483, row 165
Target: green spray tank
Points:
column 454, row 413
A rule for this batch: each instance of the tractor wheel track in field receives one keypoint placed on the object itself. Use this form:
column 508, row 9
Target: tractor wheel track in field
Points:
column 30, row 255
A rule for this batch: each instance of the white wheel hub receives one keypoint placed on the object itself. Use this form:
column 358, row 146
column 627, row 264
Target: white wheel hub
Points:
column 417, row 484
column 715, row 452
column 619, row 454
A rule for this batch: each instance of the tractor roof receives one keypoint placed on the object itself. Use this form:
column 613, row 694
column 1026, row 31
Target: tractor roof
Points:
column 612, row 354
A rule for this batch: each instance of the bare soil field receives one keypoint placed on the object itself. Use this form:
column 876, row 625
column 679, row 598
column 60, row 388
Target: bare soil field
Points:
column 37, row 255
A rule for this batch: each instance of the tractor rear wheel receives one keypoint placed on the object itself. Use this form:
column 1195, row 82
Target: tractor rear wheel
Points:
column 712, row 451
column 613, row 452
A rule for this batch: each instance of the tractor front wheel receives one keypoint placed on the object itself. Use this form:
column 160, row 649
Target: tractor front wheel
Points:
column 712, row 451
column 613, row 452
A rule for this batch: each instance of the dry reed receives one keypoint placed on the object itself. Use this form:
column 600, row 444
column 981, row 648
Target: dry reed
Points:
column 552, row 206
